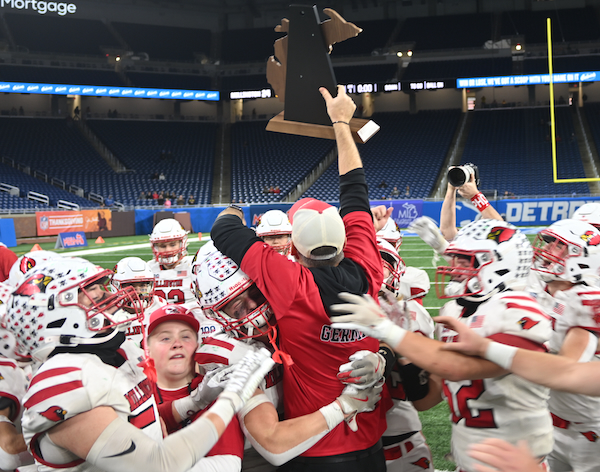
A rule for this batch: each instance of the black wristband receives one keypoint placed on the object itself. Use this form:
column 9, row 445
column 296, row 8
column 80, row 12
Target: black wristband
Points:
column 415, row 381
column 390, row 359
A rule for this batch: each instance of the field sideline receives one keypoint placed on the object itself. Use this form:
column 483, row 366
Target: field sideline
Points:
column 436, row 424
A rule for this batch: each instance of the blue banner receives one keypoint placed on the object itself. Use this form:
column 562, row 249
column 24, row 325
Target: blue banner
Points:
column 535, row 79
column 72, row 239
column 106, row 91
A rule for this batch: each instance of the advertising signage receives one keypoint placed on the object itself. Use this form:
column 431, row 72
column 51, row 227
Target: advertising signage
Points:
column 104, row 91
column 536, row 79
column 40, row 6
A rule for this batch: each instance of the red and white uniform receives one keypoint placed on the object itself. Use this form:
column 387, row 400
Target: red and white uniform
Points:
column 411, row 454
column 506, row 407
column 69, row 384
column 576, row 417
column 174, row 285
column 135, row 331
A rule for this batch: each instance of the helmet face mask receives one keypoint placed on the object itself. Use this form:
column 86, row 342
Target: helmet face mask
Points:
column 272, row 224
column 230, row 297
column 169, row 242
column 134, row 272
column 488, row 256
column 393, row 266
column 68, row 301
column 567, row 250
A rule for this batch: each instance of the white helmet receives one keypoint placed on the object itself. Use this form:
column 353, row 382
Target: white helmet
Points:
column 589, row 213
column 276, row 223
column 67, row 301
column 205, row 250
column 133, row 270
column 414, row 283
column 217, row 281
column 168, row 230
column 28, row 261
column 393, row 263
column 498, row 257
column 567, row 250
column 8, row 342
column 391, row 233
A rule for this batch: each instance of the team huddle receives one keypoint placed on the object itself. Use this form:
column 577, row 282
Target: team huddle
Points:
column 303, row 344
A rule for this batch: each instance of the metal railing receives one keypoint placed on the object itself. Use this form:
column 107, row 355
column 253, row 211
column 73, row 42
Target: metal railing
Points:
column 67, row 205
column 38, row 197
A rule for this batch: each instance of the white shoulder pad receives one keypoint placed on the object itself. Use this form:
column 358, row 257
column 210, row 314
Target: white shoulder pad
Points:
column 423, row 321
column 579, row 307
column 515, row 313
column 13, row 383
column 64, row 386
column 414, row 283
column 221, row 349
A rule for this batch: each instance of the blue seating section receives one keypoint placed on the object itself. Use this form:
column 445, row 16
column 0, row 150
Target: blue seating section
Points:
column 165, row 42
column 447, row 32
column 52, row 33
column 261, row 158
column 573, row 24
column 27, row 183
column 455, row 69
column 170, row 81
column 10, row 203
column 513, row 153
column 138, row 144
column 55, row 75
column 375, row 35
column 407, row 150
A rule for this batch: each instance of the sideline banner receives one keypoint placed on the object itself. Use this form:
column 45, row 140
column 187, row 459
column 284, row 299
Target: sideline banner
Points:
column 51, row 223
column 68, row 240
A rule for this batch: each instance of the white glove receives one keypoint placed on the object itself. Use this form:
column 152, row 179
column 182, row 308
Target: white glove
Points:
column 246, row 376
column 366, row 316
column 209, row 389
column 397, row 311
column 365, row 370
column 429, row 232
column 352, row 401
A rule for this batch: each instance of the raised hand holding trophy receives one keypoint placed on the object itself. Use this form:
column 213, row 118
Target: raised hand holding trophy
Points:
column 301, row 65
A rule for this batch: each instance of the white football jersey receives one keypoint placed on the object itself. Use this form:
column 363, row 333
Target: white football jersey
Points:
column 174, row 285
column 13, row 382
column 578, row 307
column 135, row 330
column 507, row 407
column 69, row 384
column 403, row 417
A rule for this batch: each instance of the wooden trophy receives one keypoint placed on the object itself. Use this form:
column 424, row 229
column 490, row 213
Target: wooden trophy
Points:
column 301, row 65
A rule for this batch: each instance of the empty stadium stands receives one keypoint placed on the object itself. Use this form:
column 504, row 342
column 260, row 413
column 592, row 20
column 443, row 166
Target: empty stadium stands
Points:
column 513, row 151
column 262, row 159
column 58, row 75
column 401, row 153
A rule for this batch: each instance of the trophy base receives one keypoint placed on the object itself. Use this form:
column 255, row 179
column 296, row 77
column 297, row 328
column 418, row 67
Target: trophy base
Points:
column 362, row 130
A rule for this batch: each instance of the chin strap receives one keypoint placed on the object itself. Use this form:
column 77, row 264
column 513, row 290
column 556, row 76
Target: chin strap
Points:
column 279, row 356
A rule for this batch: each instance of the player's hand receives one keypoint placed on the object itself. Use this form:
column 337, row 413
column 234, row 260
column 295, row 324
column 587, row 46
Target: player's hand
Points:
column 503, row 456
column 469, row 342
column 246, row 376
column 354, row 401
column 397, row 310
column 340, row 108
column 365, row 369
column 381, row 214
column 366, row 316
column 468, row 190
column 429, row 232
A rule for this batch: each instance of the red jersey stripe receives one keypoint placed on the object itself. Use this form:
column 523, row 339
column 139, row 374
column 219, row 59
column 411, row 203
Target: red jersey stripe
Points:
column 528, row 308
column 204, row 358
column 7, row 364
column 518, row 341
column 145, row 418
column 51, row 373
column 219, row 343
column 51, row 392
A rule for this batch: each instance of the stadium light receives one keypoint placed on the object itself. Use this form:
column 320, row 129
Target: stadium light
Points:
column 118, row 58
column 409, row 53
column 399, row 54
column 518, row 47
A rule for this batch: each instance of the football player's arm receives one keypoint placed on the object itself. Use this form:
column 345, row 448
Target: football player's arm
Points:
column 504, row 456
column 470, row 190
column 11, row 441
column 433, row 397
column 579, row 345
column 448, row 214
column 555, row 372
column 340, row 110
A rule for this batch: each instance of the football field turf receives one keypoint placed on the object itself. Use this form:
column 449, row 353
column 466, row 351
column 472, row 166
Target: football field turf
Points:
column 436, row 424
